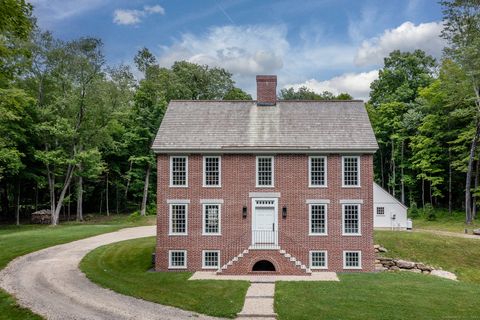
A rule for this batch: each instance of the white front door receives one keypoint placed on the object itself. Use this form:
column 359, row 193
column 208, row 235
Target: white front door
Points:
column 264, row 228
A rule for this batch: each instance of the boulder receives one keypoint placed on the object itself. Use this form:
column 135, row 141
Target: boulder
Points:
column 444, row 274
column 476, row 232
column 376, row 246
column 423, row 267
column 394, row 268
column 388, row 263
column 382, row 249
column 405, row 264
column 414, row 270
column 42, row 216
column 425, row 272
column 383, row 259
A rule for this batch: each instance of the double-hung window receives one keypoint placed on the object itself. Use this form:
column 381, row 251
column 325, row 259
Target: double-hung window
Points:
column 350, row 171
column 211, row 219
column 211, row 171
column 317, row 171
column 177, row 259
column 178, row 219
column 318, row 219
column 351, row 219
column 211, row 259
column 318, row 259
column 352, row 259
column 178, row 171
column 265, row 171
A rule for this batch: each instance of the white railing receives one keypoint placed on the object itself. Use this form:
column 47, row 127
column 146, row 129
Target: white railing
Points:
column 264, row 239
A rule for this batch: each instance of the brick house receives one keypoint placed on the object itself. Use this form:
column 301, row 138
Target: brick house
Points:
column 265, row 186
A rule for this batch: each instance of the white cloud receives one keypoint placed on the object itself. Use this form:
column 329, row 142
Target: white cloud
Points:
column 50, row 11
column 356, row 84
column 133, row 16
column 406, row 37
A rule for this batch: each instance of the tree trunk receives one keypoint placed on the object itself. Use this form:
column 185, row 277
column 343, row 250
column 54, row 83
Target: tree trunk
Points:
column 468, row 182
column 402, row 182
column 393, row 169
column 381, row 169
column 423, row 193
column 145, row 192
column 17, row 203
column 106, row 198
column 36, row 196
column 128, row 180
column 474, row 200
column 449, row 182
column 80, row 199
column 68, row 179
column 116, row 197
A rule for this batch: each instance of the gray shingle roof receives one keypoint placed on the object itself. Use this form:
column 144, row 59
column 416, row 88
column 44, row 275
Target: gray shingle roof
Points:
column 242, row 126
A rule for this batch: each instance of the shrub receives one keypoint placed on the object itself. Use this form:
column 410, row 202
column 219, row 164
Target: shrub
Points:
column 135, row 216
column 429, row 212
column 413, row 210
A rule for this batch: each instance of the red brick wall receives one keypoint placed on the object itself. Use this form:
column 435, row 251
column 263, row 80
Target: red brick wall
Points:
column 266, row 90
column 291, row 180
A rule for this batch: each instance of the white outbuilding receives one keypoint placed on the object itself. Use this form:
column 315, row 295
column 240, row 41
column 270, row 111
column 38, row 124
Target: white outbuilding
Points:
column 388, row 212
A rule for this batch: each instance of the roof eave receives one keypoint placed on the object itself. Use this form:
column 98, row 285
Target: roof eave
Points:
column 263, row 150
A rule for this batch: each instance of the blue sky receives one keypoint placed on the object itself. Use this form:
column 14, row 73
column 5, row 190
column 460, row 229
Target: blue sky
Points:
column 334, row 45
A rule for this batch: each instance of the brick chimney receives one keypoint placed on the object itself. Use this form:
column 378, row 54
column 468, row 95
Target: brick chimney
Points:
column 266, row 90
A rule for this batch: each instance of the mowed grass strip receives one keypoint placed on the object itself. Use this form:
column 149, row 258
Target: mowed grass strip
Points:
column 19, row 240
column 124, row 267
column 458, row 255
column 399, row 295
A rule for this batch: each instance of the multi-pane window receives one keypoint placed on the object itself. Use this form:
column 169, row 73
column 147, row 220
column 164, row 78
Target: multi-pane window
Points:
column 211, row 219
column 318, row 171
column 351, row 172
column 318, row 259
column 381, row 210
column 211, row 259
column 264, row 171
column 178, row 171
column 318, row 219
column 211, row 171
column 351, row 219
column 178, row 219
column 352, row 260
column 177, row 259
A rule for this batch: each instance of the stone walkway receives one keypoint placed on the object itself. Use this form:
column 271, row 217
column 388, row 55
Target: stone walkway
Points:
column 316, row 276
column 260, row 295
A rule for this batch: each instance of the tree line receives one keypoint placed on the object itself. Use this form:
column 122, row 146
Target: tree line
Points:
column 75, row 132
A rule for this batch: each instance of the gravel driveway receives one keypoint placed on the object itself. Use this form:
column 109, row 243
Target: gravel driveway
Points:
column 50, row 283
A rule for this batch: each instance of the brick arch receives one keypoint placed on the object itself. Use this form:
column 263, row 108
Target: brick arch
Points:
column 268, row 258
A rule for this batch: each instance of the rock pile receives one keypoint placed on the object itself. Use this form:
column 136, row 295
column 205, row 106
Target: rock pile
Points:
column 390, row 264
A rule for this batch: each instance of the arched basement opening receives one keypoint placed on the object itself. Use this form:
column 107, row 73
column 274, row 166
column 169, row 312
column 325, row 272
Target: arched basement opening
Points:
column 263, row 265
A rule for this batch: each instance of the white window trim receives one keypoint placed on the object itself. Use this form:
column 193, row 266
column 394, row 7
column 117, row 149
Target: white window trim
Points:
column 219, row 185
column 359, row 233
column 326, row 260
column 358, row 185
column 203, row 260
column 170, row 232
column 256, row 172
column 310, row 185
column 380, row 214
column 186, row 172
column 170, row 259
column 359, row 260
column 310, row 233
column 219, row 233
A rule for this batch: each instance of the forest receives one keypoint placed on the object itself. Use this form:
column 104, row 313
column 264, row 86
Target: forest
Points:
column 75, row 132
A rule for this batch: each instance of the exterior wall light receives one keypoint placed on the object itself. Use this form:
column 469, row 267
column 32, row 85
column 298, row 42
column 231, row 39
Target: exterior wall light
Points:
column 244, row 212
column 284, row 212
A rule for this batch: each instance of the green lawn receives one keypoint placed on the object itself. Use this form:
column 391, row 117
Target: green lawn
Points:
column 399, row 295
column 124, row 266
column 445, row 221
column 19, row 240
column 459, row 255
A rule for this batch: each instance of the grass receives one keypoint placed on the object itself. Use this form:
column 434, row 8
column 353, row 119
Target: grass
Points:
column 454, row 222
column 399, row 295
column 19, row 240
column 457, row 255
column 390, row 296
column 124, row 266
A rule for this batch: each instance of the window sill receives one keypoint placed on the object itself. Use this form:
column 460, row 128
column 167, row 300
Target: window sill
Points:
column 351, row 187
column 318, row 234
column 204, row 186
column 265, row 187
column 211, row 234
column 178, row 234
column 318, row 187
column 319, row 268
column 352, row 268
column 177, row 268
column 172, row 186
column 210, row 268
column 351, row 234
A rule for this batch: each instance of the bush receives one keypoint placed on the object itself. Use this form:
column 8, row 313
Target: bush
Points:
column 151, row 209
column 413, row 210
column 429, row 212
column 135, row 216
